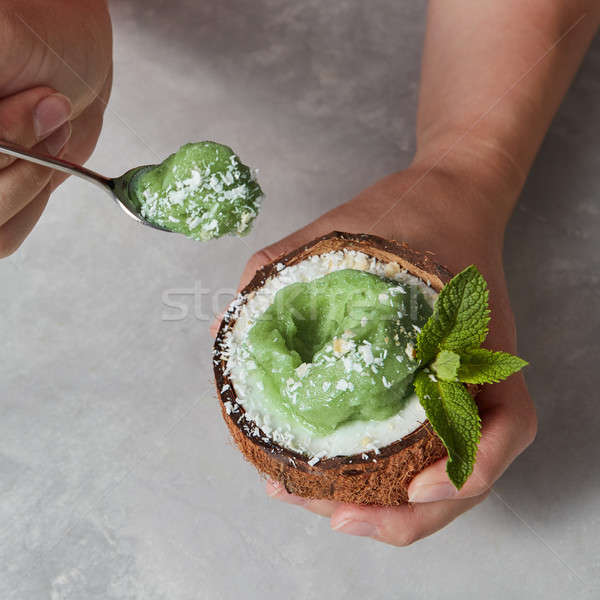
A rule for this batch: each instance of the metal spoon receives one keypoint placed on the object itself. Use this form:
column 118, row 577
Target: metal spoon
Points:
column 118, row 188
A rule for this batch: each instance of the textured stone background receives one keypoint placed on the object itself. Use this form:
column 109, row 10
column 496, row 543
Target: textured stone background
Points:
column 117, row 479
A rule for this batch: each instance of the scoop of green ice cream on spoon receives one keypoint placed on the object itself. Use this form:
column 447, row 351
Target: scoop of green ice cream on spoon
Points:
column 203, row 190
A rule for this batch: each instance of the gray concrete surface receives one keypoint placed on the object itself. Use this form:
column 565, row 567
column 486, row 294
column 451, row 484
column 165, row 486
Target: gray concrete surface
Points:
column 117, row 479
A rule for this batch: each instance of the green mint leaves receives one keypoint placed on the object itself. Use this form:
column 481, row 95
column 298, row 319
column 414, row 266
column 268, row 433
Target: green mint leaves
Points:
column 460, row 318
column 453, row 414
column 484, row 366
column 448, row 347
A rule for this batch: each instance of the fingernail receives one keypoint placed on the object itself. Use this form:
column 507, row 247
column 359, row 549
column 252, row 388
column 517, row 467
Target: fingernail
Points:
column 56, row 141
column 352, row 527
column 432, row 492
column 50, row 113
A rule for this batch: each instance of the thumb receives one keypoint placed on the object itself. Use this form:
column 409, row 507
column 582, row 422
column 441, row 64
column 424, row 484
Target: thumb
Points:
column 509, row 426
column 32, row 116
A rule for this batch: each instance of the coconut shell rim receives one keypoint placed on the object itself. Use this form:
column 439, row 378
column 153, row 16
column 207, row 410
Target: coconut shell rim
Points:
column 419, row 264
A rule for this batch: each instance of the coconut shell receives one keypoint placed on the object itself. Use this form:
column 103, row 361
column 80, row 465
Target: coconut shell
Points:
column 380, row 478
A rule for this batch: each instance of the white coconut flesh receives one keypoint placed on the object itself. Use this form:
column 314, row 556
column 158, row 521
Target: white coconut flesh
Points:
column 356, row 437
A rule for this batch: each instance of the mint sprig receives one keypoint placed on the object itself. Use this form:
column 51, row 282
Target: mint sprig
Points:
column 448, row 348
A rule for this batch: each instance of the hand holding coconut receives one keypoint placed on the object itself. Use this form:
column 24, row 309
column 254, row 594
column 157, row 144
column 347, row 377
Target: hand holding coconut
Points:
column 507, row 413
column 473, row 153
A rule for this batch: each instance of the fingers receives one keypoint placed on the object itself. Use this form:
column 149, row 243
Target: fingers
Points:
column 31, row 116
column 325, row 508
column 37, row 118
column 401, row 525
column 86, row 128
column 22, row 181
column 214, row 326
column 14, row 231
column 81, row 135
column 396, row 525
column 509, row 426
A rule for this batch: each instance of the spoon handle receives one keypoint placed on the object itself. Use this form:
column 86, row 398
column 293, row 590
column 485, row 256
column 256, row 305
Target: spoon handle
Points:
column 116, row 188
column 57, row 164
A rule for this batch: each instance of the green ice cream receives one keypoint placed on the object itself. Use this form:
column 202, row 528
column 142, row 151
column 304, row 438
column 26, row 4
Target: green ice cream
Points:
column 203, row 191
column 337, row 349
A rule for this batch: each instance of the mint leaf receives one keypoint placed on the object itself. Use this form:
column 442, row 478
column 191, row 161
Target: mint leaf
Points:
column 484, row 366
column 446, row 365
column 460, row 317
column 453, row 415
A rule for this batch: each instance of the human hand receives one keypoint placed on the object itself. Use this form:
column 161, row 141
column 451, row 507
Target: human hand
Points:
column 450, row 212
column 55, row 78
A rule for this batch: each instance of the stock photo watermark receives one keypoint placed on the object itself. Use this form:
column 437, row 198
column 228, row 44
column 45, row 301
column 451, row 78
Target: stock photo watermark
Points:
column 205, row 304
column 196, row 302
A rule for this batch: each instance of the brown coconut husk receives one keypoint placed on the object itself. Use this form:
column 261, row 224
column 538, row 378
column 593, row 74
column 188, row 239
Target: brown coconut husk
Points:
column 380, row 478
